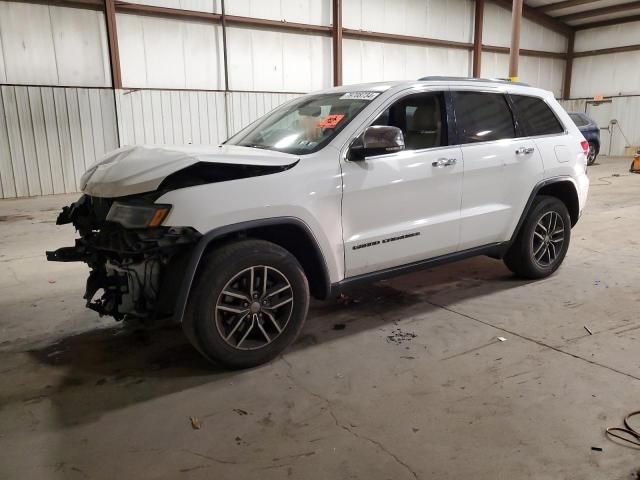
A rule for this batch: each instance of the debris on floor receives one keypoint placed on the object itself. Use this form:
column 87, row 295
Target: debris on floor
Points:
column 195, row 423
column 240, row 412
column 346, row 299
column 588, row 330
column 502, row 339
column 398, row 336
column 596, row 449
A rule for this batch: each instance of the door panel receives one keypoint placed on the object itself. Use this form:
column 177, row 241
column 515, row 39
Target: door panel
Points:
column 499, row 169
column 400, row 208
column 404, row 207
column 495, row 189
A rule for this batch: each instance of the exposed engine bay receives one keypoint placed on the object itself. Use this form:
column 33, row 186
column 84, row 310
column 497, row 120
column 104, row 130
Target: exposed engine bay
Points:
column 134, row 271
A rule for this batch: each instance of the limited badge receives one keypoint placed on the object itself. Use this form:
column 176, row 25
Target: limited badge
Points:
column 330, row 121
column 360, row 96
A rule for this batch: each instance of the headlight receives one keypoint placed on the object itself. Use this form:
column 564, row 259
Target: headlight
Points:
column 138, row 216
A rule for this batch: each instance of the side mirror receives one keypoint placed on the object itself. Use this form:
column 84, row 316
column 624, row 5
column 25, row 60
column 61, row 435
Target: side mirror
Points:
column 376, row 140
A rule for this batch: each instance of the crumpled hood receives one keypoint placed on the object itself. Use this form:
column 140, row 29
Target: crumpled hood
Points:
column 139, row 169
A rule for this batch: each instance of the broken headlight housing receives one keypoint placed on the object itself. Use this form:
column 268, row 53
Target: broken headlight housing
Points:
column 131, row 215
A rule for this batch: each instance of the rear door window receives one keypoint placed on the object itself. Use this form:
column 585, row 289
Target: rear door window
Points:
column 535, row 117
column 482, row 117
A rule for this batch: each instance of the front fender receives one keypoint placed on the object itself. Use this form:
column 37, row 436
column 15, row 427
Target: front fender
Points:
column 206, row 240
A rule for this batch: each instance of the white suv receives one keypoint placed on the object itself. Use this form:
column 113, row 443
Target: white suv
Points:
column 347, row 185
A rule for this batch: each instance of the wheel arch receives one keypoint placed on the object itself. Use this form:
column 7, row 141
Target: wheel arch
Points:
column 563, row 188
column 290, row 233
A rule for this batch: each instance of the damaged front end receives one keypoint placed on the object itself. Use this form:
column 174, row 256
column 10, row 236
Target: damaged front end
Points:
column 136, row 264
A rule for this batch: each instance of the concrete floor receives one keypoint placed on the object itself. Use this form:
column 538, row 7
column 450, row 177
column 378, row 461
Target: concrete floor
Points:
column 80, row 397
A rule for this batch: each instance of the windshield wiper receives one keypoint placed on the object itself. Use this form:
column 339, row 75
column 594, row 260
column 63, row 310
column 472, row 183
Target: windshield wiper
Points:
column 257, row 145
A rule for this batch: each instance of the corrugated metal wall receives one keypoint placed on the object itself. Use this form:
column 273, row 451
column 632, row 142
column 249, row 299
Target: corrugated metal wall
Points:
column 49, row 136
column 171, row 117
column 183, row 117
column 371, row 61
column 547, row 73
column 445, row 19
column 173, row 72
column 49, row 45
column 612, row 75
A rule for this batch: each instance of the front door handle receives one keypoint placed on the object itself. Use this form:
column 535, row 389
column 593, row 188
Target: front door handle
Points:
column 525, row 150
column 444, row 162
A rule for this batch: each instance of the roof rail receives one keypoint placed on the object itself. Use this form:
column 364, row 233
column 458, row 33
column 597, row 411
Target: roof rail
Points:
column 471, row 79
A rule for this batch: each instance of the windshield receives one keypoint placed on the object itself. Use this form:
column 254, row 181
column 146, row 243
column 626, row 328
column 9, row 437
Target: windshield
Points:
column 305, row 125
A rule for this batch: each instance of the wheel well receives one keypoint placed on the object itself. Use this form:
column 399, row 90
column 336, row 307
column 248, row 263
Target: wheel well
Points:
column 298, row 242
column 565, row 191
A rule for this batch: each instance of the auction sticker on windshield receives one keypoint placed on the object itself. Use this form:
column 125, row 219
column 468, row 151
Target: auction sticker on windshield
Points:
column 359, row 96
column 330, row 121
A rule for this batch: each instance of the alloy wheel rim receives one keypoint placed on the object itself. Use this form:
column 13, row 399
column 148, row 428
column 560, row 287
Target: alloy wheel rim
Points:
column 548, row 239
column 254, row 307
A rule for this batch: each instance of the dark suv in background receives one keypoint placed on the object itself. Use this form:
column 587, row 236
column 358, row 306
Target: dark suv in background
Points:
column 589, row 129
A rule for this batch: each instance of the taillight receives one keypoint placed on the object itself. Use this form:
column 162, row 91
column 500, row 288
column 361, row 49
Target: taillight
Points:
column 585, row 146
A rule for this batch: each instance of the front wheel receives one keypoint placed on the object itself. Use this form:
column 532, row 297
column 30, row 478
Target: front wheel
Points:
column 543, row 240
column 249, row 303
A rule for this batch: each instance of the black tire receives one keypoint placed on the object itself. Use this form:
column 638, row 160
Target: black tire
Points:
column 594, row 149
column 522, row 257
column 207, row 325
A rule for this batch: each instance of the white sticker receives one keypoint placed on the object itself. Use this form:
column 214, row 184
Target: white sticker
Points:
column 359, row 96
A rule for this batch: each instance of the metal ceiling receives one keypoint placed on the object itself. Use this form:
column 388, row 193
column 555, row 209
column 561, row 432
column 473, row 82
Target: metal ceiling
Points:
column 581, row 14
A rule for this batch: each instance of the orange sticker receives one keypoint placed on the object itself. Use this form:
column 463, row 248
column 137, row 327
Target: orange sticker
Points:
column 330, row 121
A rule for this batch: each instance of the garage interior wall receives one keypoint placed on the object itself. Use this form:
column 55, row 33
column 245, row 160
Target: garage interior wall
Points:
column 59, row 112
column 614, row 76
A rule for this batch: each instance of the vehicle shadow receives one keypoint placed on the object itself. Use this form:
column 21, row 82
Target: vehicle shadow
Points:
column 110, row 368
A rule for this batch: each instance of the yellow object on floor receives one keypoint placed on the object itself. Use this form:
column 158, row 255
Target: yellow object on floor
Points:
column 635, row 164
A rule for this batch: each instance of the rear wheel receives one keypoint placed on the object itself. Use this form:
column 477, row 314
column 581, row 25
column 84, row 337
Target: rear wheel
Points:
column 249, row 304
column 543, row 240
column 592, row 154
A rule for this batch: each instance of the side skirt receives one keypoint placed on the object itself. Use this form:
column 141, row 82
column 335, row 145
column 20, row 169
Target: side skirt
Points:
column 494, row 250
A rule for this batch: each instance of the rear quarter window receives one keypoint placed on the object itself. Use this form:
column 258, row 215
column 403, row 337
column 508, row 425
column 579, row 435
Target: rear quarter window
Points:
column 535, row 117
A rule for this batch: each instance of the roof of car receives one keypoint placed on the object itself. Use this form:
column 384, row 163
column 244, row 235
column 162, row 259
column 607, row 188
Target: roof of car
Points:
column 481, row 83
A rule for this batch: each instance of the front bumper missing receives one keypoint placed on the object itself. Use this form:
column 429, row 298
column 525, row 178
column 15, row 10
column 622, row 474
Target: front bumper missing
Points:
column 134, row 273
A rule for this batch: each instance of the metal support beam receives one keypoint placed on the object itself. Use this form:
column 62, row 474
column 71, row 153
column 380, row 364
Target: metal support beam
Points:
column 608, row 23
column 514, row 51
column 337, row 42
column 477, row 38
column 568, row 68
column 607, row 51
column 223, row 22
column 177, row 13
column 538, row 17
column 565, row 4
column 525, row 53
column 407, row 39
column 112, row 36
column 601, row 11
column 84, row 4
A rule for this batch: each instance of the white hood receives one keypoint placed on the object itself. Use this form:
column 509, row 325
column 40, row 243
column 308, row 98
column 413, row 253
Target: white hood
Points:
column 139, row 169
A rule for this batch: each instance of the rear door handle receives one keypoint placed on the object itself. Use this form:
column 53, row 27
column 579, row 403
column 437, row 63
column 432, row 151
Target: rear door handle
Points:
column 444, row 162
column 525, row 150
